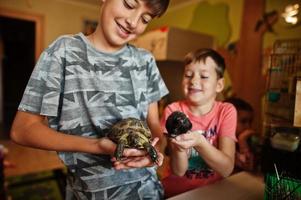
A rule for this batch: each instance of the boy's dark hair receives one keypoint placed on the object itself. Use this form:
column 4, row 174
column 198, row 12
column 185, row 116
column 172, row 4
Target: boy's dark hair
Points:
column 157, row 6
column 240, row 104
column 202, row 54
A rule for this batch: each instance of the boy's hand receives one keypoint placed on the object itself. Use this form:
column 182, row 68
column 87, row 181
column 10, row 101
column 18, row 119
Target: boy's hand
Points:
column 137, row 158
column 244, row 135
column 188, row 140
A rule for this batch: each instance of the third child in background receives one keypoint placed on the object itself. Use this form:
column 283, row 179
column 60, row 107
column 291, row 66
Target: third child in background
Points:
column 244, row 157
column 206, row 153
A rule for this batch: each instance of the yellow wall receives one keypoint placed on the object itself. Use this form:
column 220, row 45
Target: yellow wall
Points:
column 181, row 17
column 64, row 18
column 60, row 17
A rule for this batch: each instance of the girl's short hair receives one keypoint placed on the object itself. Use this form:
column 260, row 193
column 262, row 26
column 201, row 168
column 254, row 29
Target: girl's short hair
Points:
column 240, row 104
column 157, row 6
column 202, row 54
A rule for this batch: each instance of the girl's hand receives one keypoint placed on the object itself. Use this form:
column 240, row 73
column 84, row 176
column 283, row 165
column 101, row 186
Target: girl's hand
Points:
column 137, row 158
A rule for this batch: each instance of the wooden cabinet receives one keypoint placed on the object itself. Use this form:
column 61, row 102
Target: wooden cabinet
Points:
column 172, row 44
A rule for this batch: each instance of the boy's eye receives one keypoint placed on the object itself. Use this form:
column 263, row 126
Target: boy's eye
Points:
column 146, row 19
column 129, row 4
column 188, row 74
column 204, row 77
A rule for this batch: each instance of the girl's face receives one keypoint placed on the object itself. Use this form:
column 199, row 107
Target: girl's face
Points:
column 122, row 21
column 244, row 120
column 200, row 82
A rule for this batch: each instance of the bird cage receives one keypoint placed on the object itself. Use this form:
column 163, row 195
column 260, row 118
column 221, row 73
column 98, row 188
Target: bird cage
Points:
column 282, row 137
column 281, row 188
column 284, row 70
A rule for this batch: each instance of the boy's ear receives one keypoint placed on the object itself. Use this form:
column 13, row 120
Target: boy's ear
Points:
column 220, row 85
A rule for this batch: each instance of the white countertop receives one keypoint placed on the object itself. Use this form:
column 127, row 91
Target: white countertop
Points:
column 240, row 186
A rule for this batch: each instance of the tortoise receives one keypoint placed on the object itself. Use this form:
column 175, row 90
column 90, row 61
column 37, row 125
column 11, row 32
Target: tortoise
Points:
column 132, row 133
column 177, row 123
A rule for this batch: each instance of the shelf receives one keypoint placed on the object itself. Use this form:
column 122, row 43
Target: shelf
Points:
column 284, row 70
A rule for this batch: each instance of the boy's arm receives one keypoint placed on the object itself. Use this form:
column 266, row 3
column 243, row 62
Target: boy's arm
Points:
column 153, row 122
column 178, row 159
column 222, row 159
column 31, row 130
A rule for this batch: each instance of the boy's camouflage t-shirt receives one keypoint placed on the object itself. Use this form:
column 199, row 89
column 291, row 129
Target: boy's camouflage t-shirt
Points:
column 97, row 89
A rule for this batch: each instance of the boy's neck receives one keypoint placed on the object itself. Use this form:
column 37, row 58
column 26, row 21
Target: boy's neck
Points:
column 199, row 110
column 99, row 43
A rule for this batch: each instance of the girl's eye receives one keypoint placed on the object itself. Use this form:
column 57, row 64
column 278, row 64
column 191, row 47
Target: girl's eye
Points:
column 204, row 77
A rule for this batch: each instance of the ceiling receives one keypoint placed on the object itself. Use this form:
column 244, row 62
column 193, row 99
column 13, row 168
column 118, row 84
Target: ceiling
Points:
column 173, row 3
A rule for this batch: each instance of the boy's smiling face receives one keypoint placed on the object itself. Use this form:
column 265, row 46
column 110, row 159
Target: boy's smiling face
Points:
column 122, row 21
column 200, row 82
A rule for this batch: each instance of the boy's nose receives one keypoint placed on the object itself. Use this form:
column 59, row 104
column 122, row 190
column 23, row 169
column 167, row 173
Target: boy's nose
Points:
column 133, row 20
column 194, row 80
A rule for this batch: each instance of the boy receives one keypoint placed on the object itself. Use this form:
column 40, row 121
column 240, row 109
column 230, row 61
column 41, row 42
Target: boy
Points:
column 82, row 86
column 244, row 157
column 206, row 153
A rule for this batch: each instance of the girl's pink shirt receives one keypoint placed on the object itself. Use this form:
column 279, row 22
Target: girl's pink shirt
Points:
column 219, row 122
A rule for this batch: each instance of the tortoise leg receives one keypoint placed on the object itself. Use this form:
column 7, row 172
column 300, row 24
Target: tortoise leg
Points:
column 151, row 151
column 119, row 151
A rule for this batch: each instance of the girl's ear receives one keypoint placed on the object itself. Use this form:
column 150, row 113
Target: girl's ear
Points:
column 220, row 85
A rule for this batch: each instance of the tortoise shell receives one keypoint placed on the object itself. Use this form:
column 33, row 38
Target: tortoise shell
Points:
column 132, row 133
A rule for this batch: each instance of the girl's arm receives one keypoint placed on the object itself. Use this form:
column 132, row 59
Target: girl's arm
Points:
column 243, row 138
column 31, row 130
